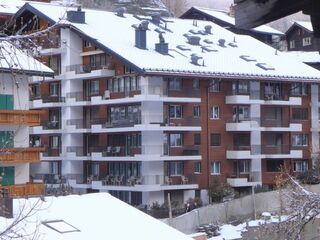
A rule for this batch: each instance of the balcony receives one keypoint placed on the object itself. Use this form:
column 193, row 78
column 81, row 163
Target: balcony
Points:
column 24, row 190
column 47, row 101
column 258, row 124
column 20, row 155
column 258, row 97
column 265, row 151
column 20, row 117
column 77, row 153
column 245, row 180
column 51, row 46
column 78, row 125
column 143, row 183
column 86, row 71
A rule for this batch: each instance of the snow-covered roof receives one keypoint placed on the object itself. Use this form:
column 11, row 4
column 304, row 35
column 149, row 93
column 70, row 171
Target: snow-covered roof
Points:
column 10, row 7
column 225, row 17
column 14, row 59
column 116, row 35
column 305, row 24
column 306, row 57
column 97, row 216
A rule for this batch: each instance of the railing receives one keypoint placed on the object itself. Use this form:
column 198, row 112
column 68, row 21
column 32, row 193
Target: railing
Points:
column 114, row 151
column 82, row 96
column 184, row 121
column 52, row 99
column 79, row 123
column 129, row 122
column 252, row 176
column 24, row 190
column 51, row 124
column 51, row 152
column 260, row 95
column 263, row 122
column 20, row 117
column 264, row 149
column 50, row 42
column 78, row 150
column 181, row 151
column 87, row 68
column 20, row 155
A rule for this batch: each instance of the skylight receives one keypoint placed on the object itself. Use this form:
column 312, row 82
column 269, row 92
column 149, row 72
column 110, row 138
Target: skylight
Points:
column 208, row 41
column 183, row 48
column 209, row 49
column 248, row 58
column 60, row 226
column 265, row 66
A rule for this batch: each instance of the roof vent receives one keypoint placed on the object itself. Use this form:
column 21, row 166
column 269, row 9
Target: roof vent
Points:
column 194, row 40
column 222, row 42
column 120, row 11
column 208, row 29
column 233, row 44
column 162, row 46
column 195, row 59
column 183, row 48
column 141, row 34
column 156, row 18
column 208, row 41
column 193, row 31
column 208, row 49
column 76, row 16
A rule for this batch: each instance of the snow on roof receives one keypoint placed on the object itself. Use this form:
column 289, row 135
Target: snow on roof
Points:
column 223, row 16
column 306, row 57
column 118, row 36
column 10, row 7
column 13, row 59
column 305, row 24
column 97, row 216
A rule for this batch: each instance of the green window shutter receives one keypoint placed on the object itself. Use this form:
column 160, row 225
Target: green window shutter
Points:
column 6, row 102
column 6, row 139
column 7, row 174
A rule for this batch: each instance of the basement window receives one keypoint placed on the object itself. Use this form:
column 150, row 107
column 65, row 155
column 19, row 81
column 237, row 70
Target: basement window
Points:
column 60, row 226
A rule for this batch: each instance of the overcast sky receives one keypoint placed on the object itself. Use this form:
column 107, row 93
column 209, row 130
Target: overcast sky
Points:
column 219, row 4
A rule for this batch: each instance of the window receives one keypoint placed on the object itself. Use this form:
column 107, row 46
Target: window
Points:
column 274, row 165
column 197, row 167
column 215, row 112
column 244, row 166
column 87, row 44
column 215, row 168
column 55, row 167
column 175, row 111
column 175, row 140
column 54, row 89
column 215, row 139
column 128, row 70
column 300, row 113
column 299, row 89
column 175, row 84
column 300, row 166
column 175, row 168
column 54, row 142
column 273, row 91
column 292, row 44
column 241, row 113
column 214, row 85
column 274, row 113
column 6, row 139
column 306, row 41
column 300, row 140
column 197, row 138
column 93, row 61
column 195, row 83
column 95, row 169
column 54, row 62
column 94, row 87
column 240, row 87
column 35, row 91
column 196, row 111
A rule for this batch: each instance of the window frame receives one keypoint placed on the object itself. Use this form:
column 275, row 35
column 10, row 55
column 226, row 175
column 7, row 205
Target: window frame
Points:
column 215, row 113
column 197, row 167
column 215, row 168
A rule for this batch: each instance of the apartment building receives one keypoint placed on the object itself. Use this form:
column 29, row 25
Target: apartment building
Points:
column 15, row 119
column 145, row 106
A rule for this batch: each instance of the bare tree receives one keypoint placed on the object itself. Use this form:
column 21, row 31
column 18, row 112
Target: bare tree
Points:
column 176, row 7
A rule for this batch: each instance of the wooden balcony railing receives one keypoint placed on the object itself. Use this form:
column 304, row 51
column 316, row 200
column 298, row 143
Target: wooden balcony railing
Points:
column 23, row 190
column 20, row 117
column 20, row 155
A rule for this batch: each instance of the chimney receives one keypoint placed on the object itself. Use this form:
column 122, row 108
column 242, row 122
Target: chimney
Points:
column 162, row 46
column 76, row 16
column 141, row 34
column 120, row 11
column 195, row 59
column 156, row 18
column 194, row 40
column 231, row 10
column 208, row 29
column 222, row 42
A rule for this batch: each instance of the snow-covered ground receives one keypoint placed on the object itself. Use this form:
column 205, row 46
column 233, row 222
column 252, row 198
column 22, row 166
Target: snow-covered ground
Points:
column 230, row 232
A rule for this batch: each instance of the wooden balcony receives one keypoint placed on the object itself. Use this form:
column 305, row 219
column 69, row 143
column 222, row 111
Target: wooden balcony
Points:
column 24, row 190
column 20, row 155
column 20, row 117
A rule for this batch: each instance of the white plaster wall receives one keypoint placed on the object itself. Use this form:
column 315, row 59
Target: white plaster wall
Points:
column 21, row 173
column 152, row 112
column 152, row 197
column 71, row 167
column 152, row 142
